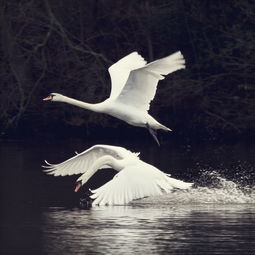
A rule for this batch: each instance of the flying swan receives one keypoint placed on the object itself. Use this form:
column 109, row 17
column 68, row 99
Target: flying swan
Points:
column 135, row 178
column 133, row 87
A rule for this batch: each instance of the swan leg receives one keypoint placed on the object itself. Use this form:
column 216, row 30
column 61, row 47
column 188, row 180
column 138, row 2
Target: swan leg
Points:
column 85, row 202
column 153, row 133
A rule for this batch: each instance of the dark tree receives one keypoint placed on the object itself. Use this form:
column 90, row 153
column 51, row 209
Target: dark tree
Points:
column 67, row 46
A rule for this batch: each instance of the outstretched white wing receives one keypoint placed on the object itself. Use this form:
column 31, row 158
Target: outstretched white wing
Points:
column 84, row 160
column 119, row 71
column 141, row 85
column 134, row 183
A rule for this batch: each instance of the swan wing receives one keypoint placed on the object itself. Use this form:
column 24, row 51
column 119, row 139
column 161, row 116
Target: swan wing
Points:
column 141, row 84
column 84, row 160
column 119, row 71
column 135, row 183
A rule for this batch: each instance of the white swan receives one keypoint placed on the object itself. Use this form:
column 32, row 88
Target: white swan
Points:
column 135, row 178
column 133, row 86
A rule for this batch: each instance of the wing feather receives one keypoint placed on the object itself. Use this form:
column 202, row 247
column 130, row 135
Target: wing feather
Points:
column 84, row 160
column 129, row 184
column 141, row 84
column 119, row 71
column 136, row 182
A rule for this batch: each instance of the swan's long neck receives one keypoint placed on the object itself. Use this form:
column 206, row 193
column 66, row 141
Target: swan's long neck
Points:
column 72, row 101
column 107, row 160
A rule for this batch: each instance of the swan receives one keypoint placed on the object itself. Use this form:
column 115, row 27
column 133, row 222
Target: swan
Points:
column 133, row 87
column 135, row 178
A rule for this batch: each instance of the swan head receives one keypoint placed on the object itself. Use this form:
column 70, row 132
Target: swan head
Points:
column 54, row 97
column 80, row 182
column 78, row 185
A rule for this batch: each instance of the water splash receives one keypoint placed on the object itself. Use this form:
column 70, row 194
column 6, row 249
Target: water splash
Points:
column 210, row 188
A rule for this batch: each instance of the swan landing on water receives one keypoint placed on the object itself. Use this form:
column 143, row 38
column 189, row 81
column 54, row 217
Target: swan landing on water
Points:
column 133, row 87
column 135, row 178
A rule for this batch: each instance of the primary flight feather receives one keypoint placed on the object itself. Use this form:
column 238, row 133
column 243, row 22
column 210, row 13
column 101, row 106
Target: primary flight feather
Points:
column 133, row 87
column 135, row 178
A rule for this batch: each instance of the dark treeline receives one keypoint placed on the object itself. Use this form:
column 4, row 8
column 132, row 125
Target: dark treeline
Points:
column 66, row 47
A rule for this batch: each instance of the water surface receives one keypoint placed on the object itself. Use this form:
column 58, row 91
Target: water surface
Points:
column 40, row 214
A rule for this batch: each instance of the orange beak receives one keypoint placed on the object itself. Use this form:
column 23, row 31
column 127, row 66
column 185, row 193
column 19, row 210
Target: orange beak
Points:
column 78, row 186
column 47, row 98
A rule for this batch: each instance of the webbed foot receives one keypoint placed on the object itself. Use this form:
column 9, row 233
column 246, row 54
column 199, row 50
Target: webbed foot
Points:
column 153, row 132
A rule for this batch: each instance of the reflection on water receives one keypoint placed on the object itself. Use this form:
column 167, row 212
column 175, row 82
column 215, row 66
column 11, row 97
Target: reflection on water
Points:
column 39, row 213
column 150, row 229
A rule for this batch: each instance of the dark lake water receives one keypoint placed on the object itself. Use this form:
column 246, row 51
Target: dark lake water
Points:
column 40, row 214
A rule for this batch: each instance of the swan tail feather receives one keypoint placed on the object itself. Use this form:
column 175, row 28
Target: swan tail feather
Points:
column 164, row 128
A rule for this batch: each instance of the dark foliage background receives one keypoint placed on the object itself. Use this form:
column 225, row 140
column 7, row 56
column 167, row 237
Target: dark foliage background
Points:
column 66, row 47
